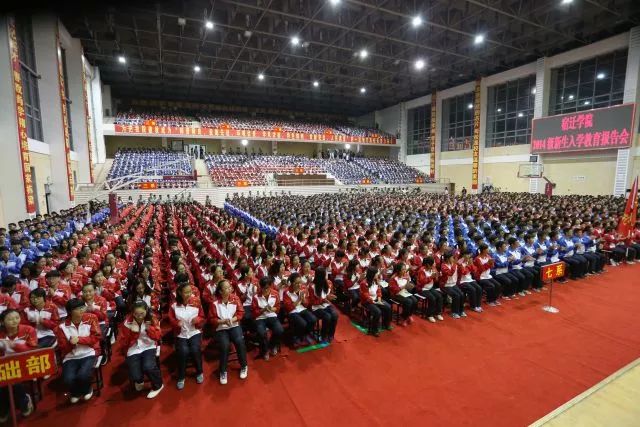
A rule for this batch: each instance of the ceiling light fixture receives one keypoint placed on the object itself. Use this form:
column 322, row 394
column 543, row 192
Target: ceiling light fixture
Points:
column 295, row 40
column 334, row 2
column 533, row 91
column 363, row 90
column 521, row 114
column 479, row 39
column 122, row 59
column 570, row 97
column 416, row 21
column 260, row 76
column 601, row 76
column 196, row 68
column 315, row 83
column 244, row 142
column 209, row 25
column 419, row 64
column 364, row 53
column 499, row 110
column 567, row 1
column 470, row 106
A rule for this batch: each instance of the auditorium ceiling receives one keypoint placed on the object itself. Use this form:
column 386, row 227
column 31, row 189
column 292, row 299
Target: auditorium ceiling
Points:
column 363, row 54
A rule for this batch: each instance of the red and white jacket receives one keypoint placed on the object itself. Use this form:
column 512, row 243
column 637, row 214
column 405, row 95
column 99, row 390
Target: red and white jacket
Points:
column 98, row 307
column 319, row 301
column 425, row 278
column 25, row 339
column 294, row 302
column 60, row 296
column 187, row 320
column 88, row 333
column 6, row 302
column 137, row 338
column 45, row 321
column 260, row 302
column 369, row 294
column 448, row 275
column 397, row 284
column 483, row 265
column 221, row 311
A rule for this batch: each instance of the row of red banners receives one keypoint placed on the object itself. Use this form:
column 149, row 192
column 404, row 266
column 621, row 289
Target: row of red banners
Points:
column 21, row 117
column 476, row 137
column 243, row 133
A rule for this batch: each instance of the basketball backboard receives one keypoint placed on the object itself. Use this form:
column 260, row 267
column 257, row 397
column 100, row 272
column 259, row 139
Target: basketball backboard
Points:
column 530, row 170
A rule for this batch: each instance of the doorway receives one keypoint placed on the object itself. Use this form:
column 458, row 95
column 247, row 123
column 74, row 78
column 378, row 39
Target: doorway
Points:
column 197, row 151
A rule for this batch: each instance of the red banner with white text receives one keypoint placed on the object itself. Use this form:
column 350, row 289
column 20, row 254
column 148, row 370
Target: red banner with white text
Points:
column 65, row 117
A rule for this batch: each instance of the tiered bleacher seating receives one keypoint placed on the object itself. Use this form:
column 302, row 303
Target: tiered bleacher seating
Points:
column 130, row 161
column 389, row 171
column 161, row 118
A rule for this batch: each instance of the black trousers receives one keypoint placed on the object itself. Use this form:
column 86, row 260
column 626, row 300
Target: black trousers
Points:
column 142, row 364
column 224, row 338
column 492, row 288
column 577, row 267
column 186, row 347
column 596, row 261
column 353, row 299
column 457, row 298
column 408, row 304
column 329, row 318
column 636, row 247
column 434, row 301
column 524, row 277
column 302, row 322
column 534, row 271
column 473, row 291
column 509, row 284
column 378, row 311
column 273, row 324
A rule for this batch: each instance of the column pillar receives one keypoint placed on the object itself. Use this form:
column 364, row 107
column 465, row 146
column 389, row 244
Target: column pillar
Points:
column 541, row 106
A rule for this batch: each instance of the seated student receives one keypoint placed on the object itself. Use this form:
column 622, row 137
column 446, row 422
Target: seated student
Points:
column 95, row 305
column 57, row 292
column 320, row 297
column 484, row 263
column 426, row 277
column 16, row 290
column 466, row 273
column 246, row 287
column 295, row 301
column 43, row 316
column 514, row 255
column 371, row 297
column 141, row 292
column 225, row 313
column 529, row 253
column 448, row 284
column 399, row 286
column 265, row 308
column 187, row 318
column 79, row 343
column 337, row 267
column 634, row 241
column 112, row 288
column 577, row 265
column 587, row 247
column 139, row 334
column 352, row 278
column 15, row 338
column 510, row 284
column 6, row 303
column 619, row 251
column 209, row 291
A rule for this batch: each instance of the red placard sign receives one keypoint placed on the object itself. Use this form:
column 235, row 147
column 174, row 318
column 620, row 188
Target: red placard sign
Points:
column 553, row 271
column 602, row 128
column 20, row 367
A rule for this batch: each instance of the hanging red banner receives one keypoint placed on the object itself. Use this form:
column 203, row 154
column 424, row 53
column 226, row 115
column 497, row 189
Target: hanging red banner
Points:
column 21, row 117
column 87, row 118
column 476, row 137
column 432, row 137
column 65, row 122
column 245, row 133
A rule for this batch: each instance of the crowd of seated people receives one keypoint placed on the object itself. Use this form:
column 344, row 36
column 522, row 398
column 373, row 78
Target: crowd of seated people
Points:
column 391, row 172
column 185, row 118
column 130, row 161
column 154, row 118
column 227, row 169
column 415, row 251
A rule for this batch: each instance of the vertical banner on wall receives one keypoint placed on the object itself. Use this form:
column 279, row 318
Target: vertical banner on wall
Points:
column 21, row 117
column 63, row 109
column 432, row 137
column 476, row 136
column 87, row 117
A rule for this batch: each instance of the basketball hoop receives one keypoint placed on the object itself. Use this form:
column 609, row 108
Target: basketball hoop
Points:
column 530, row 170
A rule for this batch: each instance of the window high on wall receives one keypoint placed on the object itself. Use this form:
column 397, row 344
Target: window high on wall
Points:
column 419, row 130
column 510, row 112
column 457, row 122
column 29, row 76
column 593, row 83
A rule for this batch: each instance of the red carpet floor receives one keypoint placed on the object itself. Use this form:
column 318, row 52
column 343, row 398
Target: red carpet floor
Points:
column 505, row 367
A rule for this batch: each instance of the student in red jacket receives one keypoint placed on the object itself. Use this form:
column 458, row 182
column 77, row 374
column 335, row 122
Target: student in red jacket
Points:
column 57, row 292
column 6, row 302
column 43, row 316
column 484, row 263
column 295, row 301
column 95, row 304
column 427, row 276
column 187, row 318
column 320, row 297
column 15, row 338
column 466, row 273
column 265, row 309
column 18, row 291
column 139, row 334
column 371, row 297
column 79, row 343
column 448, row 284
column 225, row 314
column 399, row 285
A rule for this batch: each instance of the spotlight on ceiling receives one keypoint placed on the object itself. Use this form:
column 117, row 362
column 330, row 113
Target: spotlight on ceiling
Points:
column 479, row 39
column 295, row 40
column 416, row 21
column 122, row 59
column 209, row 25
column 260, row 76
column 419, row 64
column 196, row 68
column 470, row 106
column 363, row 53
column 601, row 76
column 363, row 90
column 334, row 2
column 244, row 142
column 315, row 83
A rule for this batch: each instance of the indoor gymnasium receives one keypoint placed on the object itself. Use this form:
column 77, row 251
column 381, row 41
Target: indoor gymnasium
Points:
column 320, row 212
